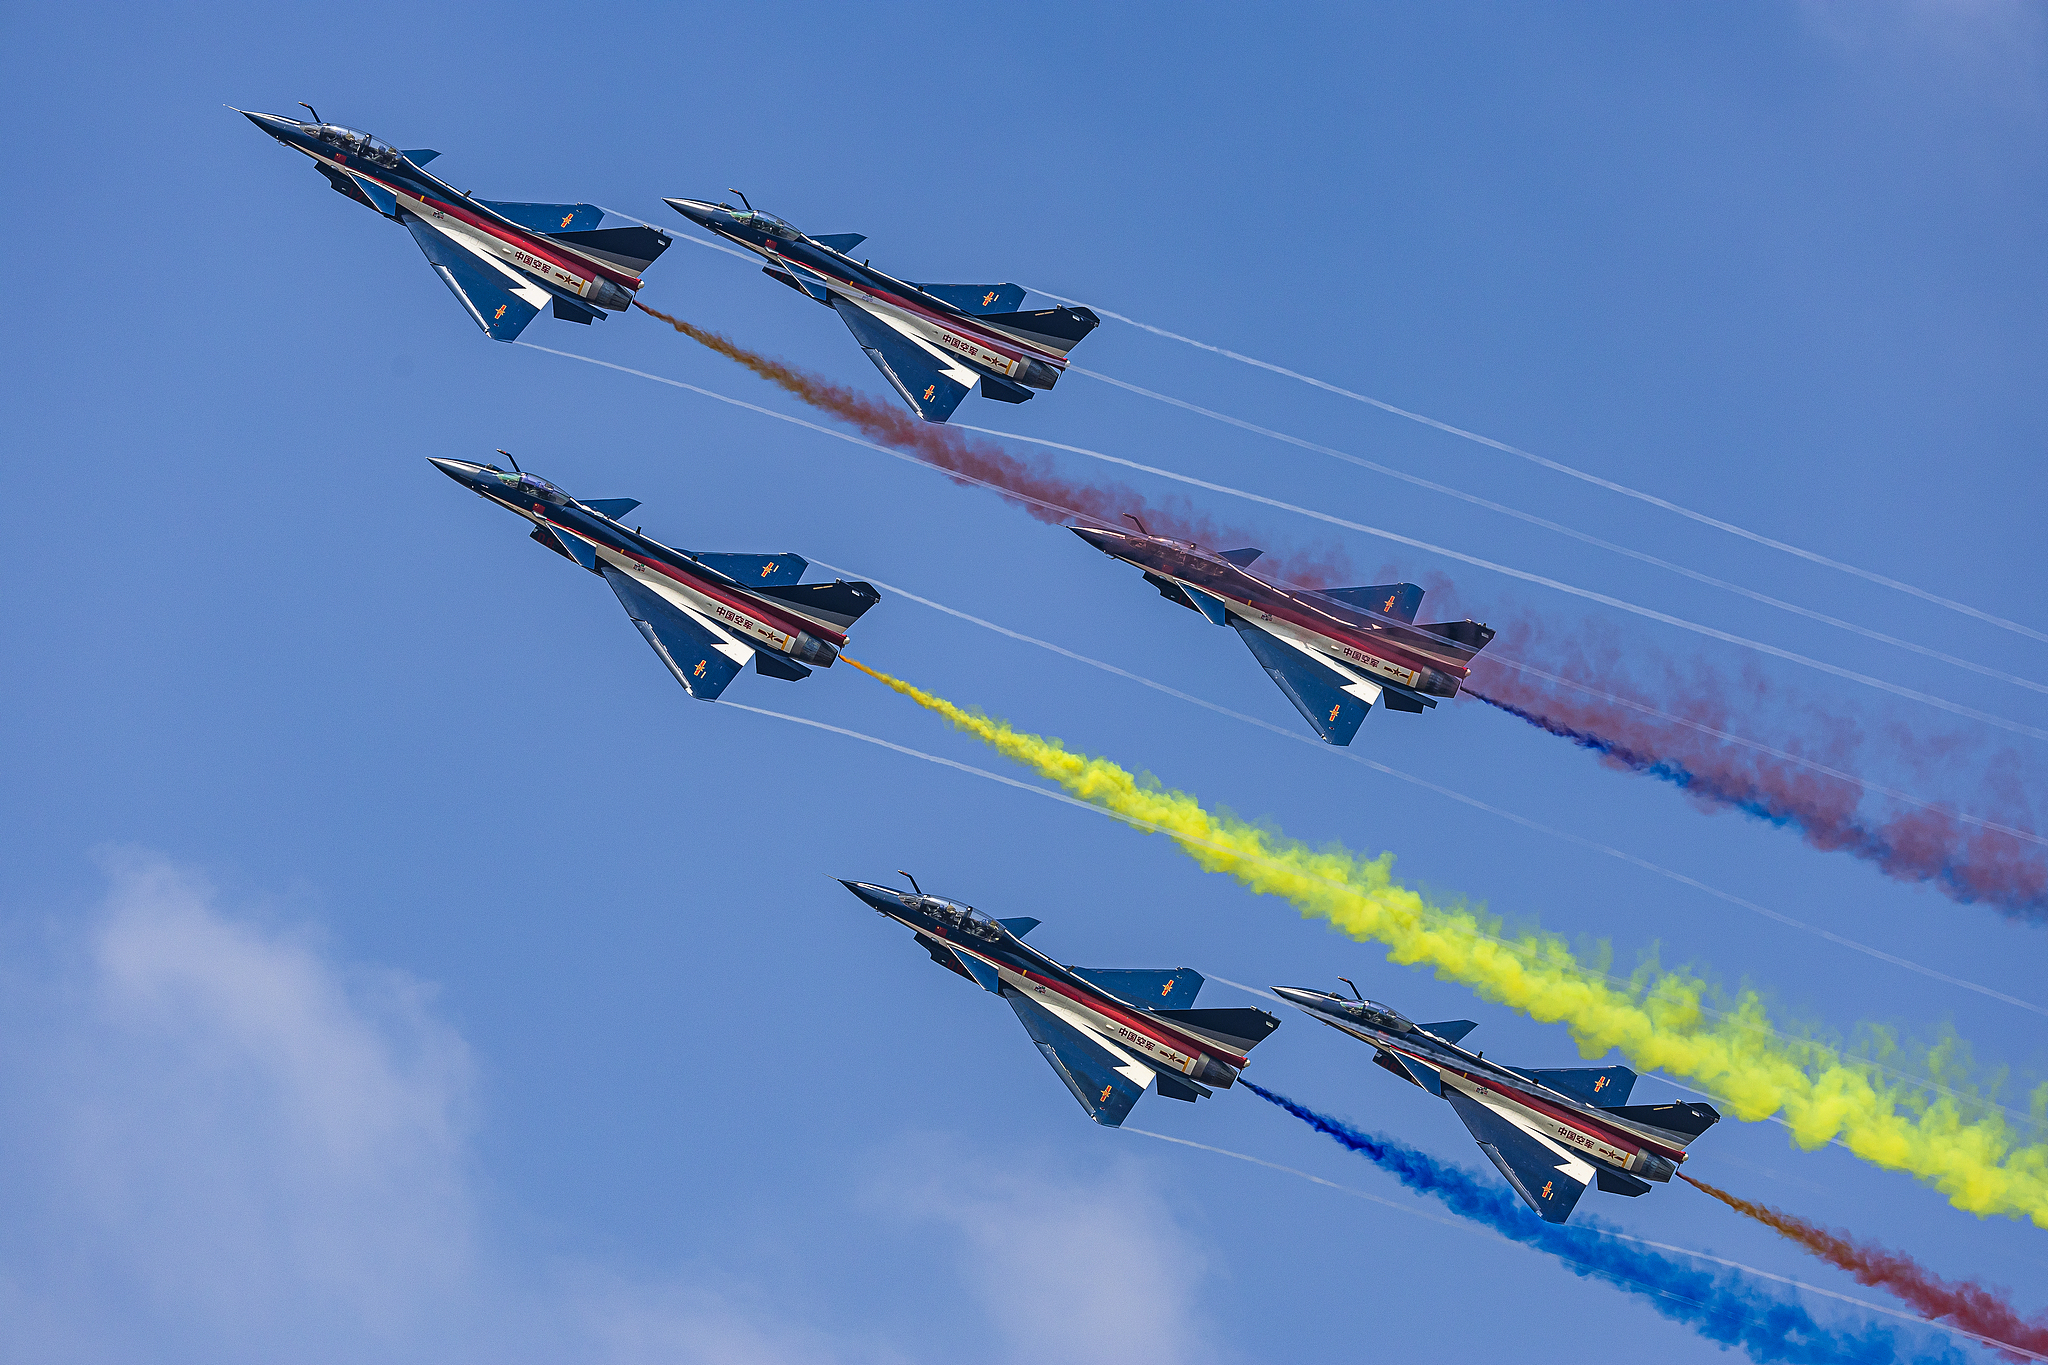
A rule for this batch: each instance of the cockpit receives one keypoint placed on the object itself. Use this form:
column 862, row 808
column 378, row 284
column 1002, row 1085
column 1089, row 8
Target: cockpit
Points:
column 354, row 142
column 766, row 222
column 1376, row 1015
column 530, row 486
column 963, row 917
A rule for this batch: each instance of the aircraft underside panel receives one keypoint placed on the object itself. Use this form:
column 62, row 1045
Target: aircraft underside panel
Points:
column 696, row 652
column 1549, row 1179
column 1092, row 1070
column 500, row 299
column 1333, row 702
column 931, row 386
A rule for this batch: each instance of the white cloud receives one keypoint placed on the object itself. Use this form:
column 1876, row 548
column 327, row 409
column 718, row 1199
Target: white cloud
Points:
column 224, row 1147
column 247, row 1145
column 1100, row 1272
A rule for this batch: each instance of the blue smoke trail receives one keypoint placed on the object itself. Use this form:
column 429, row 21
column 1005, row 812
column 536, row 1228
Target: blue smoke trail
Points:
column 1725, row 1307
column 1663, row 769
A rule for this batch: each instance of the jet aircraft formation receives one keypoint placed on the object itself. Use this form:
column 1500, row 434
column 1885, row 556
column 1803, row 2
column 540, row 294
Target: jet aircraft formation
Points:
column 1110, row 1035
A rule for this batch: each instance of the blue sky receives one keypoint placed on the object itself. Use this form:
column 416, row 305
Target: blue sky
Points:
column 397, row 964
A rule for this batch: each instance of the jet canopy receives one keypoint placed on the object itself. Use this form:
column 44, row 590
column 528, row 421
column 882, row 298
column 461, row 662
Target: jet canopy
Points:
column 1379, row 1016
column 766, row 222
column 965, row 917
column 530, row 486
column 355, row 142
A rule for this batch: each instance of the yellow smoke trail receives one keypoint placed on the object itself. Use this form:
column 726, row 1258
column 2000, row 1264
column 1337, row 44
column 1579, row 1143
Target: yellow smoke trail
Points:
column 1658, row 1021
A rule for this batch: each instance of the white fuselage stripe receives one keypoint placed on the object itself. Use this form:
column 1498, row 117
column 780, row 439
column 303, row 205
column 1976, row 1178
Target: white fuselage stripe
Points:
column 1344, row 659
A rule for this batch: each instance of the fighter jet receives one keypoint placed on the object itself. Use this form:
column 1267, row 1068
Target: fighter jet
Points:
column 704, row 614
column 1551, row 1132
column 932, row 342
column 503, row 262
column 1333, row 651
column 1109, row 1034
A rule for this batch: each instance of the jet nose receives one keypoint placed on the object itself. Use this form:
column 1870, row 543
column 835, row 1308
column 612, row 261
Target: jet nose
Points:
column 1299, row 995
column 880, row 897
column 269, row 123
column 696, row 210
column 1102, row 539
column 462, row 471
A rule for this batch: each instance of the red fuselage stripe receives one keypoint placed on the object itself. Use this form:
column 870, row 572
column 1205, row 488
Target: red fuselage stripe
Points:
column 754, row 607
column 1364, row 642
column 1612, row 1136
column 995, row 341
column 1138, row 1024
column 532, row 242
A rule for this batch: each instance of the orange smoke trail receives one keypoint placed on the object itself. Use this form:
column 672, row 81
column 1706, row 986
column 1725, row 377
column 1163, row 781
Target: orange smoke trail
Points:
column 1028, row 484
column 1967, row 1304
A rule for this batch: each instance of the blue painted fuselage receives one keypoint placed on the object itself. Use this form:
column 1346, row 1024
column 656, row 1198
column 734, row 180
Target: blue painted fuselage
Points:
column 1108, row 1033
column 933, row 342
column 502, row 261
column 705, row 614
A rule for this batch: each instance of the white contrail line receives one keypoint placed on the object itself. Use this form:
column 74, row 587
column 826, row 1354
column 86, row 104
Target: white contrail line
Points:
column 720, row 246
column 1909, row 694
column 1474, row 802
column 1476, row 1230
column 1561, row 468
column 1177, row 836
column 1813, row 764
column 1541, row 580
column 1585, row 538
column 998, row 489
column 818, row 427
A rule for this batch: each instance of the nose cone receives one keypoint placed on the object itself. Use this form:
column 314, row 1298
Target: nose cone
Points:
column 879, row 897
column 696, row 210
column 1108, row 541
column 462, row 471
column 1303, row 997
column 272, row 124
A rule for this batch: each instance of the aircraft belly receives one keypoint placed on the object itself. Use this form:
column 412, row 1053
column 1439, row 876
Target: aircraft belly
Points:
column 498, row 251
column 1343, row 655
column 513, row 281
column 946, row 360
column 715, row 616
column 950, row 344
column 1571, row 1144
column 1118, row 1038
column 1327, row 648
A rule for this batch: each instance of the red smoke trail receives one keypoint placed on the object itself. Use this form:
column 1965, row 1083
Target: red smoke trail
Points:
column 1594, row 699
column 1031, row 485
column 1968, row 1305
column 1968, row 863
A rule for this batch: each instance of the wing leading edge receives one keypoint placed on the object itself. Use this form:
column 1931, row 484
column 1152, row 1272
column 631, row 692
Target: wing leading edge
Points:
column 932, row 386
column 1105, row 1080
column 500, row 300
column 1549, row 1179
column 1333, row 702
column 702, row 657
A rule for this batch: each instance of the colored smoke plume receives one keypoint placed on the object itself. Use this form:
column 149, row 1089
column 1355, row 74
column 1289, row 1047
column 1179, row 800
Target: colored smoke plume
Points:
column 1968, row 1305
column 1029, row 484
column 1965, row 860
column 1723, row 1306
column 1660, row 1019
